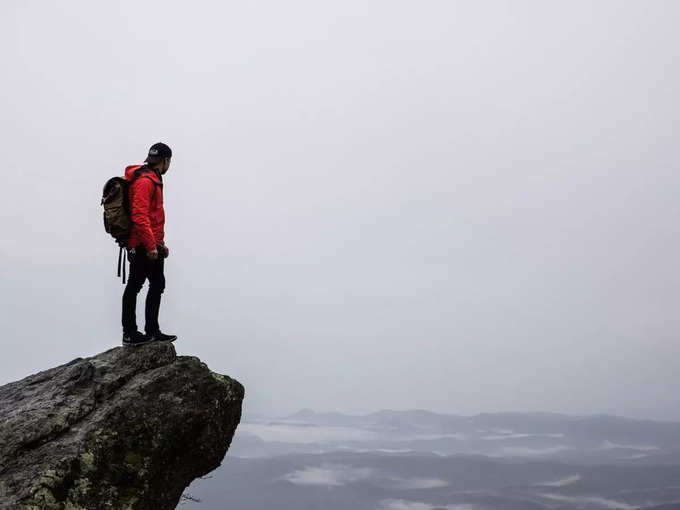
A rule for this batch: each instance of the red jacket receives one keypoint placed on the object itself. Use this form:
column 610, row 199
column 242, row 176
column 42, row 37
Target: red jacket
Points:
column 146, row 208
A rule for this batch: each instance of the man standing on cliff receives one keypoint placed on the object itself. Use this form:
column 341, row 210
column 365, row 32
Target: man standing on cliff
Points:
column 146, row 245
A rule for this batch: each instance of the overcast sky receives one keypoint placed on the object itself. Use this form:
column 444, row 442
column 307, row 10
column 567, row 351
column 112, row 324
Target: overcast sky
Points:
column 462, row 206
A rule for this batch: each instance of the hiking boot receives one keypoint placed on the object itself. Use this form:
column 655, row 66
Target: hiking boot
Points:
column 161, row 337
column 135, row 339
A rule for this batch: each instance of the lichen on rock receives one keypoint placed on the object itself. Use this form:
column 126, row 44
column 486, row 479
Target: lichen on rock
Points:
column 129, row 428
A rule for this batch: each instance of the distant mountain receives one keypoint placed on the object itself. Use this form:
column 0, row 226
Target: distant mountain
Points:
column 616, row 430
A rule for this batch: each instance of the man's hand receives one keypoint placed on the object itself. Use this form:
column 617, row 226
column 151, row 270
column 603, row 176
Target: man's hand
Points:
column 166, row 251
column 153, row 254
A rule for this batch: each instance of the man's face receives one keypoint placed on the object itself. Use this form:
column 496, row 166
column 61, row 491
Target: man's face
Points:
column 165, row 165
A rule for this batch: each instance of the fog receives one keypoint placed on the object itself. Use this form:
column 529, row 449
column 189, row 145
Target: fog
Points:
column 451, row 205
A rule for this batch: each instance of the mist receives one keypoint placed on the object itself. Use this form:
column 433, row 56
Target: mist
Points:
column 455, row 206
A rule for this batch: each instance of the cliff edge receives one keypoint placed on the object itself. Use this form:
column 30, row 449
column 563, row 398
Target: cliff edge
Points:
column 129, row 428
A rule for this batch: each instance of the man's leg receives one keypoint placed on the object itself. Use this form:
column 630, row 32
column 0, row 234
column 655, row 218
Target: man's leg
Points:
column 138, row 273
column 153, row 297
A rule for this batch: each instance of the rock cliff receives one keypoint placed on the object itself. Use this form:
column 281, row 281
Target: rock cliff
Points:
column 129, row 428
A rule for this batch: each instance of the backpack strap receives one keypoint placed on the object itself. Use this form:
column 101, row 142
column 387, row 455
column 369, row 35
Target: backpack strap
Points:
column 153, row 193
column 122, row 256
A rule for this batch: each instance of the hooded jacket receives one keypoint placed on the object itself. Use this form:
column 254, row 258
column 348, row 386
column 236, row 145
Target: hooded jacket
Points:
column 146, row 207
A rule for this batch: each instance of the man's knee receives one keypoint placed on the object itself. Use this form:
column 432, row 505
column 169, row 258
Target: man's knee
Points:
column 157, row 285
column 133, row 287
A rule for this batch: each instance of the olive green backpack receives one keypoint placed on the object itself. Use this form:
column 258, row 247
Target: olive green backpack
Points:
column 117, row 215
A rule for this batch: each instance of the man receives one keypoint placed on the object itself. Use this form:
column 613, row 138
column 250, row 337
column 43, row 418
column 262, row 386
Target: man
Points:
column 146, row 245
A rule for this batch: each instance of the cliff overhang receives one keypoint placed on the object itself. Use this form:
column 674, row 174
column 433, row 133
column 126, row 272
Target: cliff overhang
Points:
column 129, row 428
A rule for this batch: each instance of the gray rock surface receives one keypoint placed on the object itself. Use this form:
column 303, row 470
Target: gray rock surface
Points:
column 129, row 428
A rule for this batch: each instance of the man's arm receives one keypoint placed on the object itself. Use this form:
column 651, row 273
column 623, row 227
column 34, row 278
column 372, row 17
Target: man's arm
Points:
column 139, row 210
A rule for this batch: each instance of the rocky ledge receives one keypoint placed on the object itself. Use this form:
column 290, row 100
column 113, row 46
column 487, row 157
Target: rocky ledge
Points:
column 129, row 428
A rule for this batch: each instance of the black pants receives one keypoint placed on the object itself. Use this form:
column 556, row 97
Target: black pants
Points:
column 141, row 268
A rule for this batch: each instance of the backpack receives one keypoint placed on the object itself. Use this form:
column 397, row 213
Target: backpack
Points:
column 116, row 202
column 117, row 214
